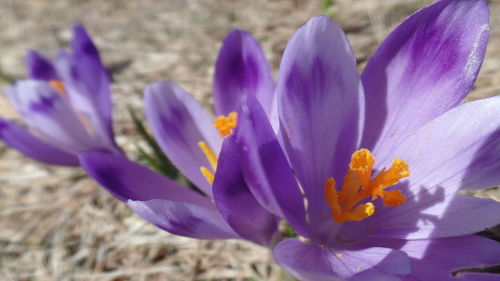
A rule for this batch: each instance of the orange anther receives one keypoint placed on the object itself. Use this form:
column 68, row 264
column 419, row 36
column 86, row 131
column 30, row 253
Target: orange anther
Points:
column 59, row 86
column 358, row 186
column 226, row 124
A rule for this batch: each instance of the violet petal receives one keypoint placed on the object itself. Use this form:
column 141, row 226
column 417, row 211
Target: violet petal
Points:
column 23, row 141
column 87, row 85
column 39, row 67
column 459, row 149
column 178, row 123
column 320, row 100
column 235, row 201
column 184, row 219
column 312, row 262
column 127, row 180
column 424, row 68
column 266, row 169
column 47, row 111
column 438, row 259
column 241, row 68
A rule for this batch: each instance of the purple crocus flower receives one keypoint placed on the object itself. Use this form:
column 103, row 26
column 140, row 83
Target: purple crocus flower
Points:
column 65, row 103
column 192, row 140
column 366, row 169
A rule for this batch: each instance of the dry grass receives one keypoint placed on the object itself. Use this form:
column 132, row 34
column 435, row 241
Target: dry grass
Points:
column 56, row 224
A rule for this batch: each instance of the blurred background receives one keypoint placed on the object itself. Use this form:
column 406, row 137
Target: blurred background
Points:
column 56, row 224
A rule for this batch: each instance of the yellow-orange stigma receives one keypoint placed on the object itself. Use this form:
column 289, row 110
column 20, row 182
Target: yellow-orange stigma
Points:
column 59, row 86
column 358, row 185
column 226, row 124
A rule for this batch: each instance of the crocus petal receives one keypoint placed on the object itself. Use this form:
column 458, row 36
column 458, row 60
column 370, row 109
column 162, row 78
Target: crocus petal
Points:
column 38, row 67
column 156, row 198
column 438, row 259
column 459, row 149
column 424, row 68
column 184, row 219
column 235, row 201
column 47, row 111
column 312, row 262
column 375, row 275
column 20, row 139
column 266, row 169
column 179, row 123
column 319, row 84
column 241, row 68
column 87, row 84
column 128, row 180
column 91, row 71
column 427, row 217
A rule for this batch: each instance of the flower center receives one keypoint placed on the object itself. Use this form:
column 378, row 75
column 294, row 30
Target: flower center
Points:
column 358, row 185
column 225, row 126
column 59, row 86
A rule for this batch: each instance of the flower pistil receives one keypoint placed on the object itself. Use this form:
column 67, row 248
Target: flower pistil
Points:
column 357, row 186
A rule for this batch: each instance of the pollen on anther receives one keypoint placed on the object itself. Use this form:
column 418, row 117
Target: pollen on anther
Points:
column 349, row 203
column 59, row 86
column 226, row 124
column 369, row 209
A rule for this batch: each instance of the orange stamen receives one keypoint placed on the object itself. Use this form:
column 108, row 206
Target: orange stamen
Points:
column 59, row 86
column 225, row 125
column 209, row 176
column 212, row 160
column 357, row 186
column 209, row 154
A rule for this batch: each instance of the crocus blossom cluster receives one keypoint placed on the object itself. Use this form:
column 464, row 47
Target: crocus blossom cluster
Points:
column 192, row 140
column 344, row 176
column 65, row 103
column 367, row 168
